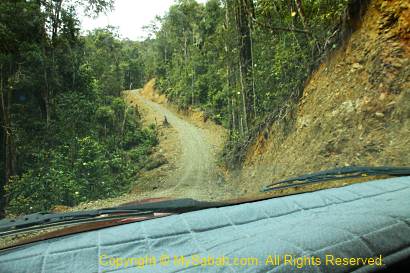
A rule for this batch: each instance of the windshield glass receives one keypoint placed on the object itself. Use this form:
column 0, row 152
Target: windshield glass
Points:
column 104, row 103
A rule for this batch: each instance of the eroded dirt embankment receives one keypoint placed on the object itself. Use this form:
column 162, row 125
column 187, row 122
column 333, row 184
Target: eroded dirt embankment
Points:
column 355, row 109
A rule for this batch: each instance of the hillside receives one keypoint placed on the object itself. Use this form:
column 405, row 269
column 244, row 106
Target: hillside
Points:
column 355, row 108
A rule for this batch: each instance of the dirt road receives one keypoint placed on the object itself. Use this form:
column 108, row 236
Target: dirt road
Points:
column 196, row 174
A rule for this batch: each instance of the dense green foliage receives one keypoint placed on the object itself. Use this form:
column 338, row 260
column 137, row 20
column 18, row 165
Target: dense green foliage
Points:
column 67, row 135
column 241, row 60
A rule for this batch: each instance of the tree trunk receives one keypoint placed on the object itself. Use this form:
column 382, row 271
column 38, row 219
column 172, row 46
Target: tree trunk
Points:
column 231, row 104
column 5, row 176
column 45, row 94
column 244, row 24
column 56, row 20
column 245, row 101
column 9, row 148
column 253, row 76
column 192, row 87
column 123, row 123
column 301, row 12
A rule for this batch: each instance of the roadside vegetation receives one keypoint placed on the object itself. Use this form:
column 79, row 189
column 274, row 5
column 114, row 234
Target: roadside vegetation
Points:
column 67, row 135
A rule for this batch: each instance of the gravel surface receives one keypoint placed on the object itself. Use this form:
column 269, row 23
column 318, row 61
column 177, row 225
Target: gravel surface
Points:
column 197, row 175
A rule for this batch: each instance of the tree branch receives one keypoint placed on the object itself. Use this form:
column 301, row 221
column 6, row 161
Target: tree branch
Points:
column 275, row 29
column 251, row 13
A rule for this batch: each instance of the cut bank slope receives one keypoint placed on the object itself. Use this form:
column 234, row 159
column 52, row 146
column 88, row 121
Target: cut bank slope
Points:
column 355, row 109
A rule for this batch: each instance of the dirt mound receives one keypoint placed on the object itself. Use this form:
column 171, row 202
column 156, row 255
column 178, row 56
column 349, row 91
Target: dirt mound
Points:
column 150, row 93
column 355, row 109
column 194, row 115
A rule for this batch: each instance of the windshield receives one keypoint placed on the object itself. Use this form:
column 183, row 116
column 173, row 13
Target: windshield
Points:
column 105, row 102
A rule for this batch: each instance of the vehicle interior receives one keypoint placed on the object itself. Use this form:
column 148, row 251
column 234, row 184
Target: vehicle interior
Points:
column 204, row 136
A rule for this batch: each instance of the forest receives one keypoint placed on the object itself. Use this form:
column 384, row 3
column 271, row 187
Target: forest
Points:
column 67, row 136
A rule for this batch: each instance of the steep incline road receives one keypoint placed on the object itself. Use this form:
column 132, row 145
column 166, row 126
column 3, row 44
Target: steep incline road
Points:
column 197, row 176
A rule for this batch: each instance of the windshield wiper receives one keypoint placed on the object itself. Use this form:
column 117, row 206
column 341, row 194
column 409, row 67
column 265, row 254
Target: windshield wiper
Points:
column 43, row 220
column 336, row 174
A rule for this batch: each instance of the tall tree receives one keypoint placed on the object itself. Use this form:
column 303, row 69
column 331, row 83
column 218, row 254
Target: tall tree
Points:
column 244, row 11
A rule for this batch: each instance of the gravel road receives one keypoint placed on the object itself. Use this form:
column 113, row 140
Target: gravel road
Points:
column 196, row 176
